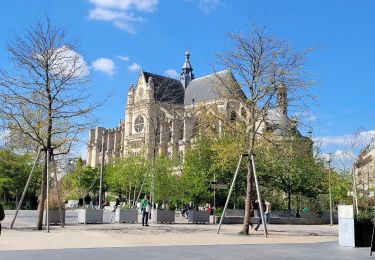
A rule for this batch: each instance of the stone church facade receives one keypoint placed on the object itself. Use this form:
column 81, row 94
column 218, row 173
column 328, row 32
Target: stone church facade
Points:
column 161, row 115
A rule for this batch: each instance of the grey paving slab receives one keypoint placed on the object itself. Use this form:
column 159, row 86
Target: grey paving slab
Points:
column 276, row 251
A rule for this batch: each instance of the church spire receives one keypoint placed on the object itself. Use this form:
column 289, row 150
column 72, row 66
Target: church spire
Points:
column 187, row 71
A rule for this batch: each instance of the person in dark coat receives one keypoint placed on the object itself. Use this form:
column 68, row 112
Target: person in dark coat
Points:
column 87, row 200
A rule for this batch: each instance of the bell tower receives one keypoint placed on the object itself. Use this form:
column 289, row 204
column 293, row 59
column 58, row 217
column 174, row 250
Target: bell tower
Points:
column 186, row 75
column 282, row 102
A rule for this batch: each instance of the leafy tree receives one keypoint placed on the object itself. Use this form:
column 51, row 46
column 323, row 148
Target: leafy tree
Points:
column 126, row 176
column 14, row 171
column 290, row 166
column 197, row 172
column 79, row 182
column 166, row 183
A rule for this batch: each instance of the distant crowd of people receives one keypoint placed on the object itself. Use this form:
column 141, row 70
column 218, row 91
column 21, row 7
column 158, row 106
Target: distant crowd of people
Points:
column 89, row 202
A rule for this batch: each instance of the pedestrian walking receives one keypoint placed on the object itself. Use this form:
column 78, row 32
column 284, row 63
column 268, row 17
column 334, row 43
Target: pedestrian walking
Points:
column 87, row 200
column 145, row 209
column 257, row 207
column 2, row 215
column 268, row 212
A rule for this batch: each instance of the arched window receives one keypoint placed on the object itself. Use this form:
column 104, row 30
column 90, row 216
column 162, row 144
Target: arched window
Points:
column 181, row 135
column 170, row 128
column 139, row 124
column 233, row 116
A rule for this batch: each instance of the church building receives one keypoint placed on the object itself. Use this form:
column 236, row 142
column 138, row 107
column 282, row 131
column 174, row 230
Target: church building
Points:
column 161, row 115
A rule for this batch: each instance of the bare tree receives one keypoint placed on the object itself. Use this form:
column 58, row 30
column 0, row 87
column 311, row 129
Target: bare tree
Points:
column 44, row 97
column 265, row 70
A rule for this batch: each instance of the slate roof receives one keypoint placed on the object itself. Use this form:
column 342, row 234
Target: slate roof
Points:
column 211, row 87
column 166, row 89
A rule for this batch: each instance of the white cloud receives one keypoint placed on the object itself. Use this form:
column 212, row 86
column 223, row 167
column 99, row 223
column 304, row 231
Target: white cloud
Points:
column 343, row 155
column 141, row 5
column 358, row 139
column 171, row 73
column 104, row 65
column 134, row 67
column 124, row 58
column 207, row 6
column 120, row 12
column 66, row 63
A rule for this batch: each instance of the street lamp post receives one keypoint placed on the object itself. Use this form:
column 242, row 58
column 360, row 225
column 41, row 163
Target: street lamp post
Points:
column 329, row 160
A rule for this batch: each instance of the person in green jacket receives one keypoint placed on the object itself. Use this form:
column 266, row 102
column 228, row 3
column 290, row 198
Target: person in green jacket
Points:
column 145, row 208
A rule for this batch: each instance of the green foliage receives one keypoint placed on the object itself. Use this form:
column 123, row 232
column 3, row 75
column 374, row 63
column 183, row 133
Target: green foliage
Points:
column 290, row 166
column 126, row 174
column 14, row 171
column 197, row 172
column 167, row 188
column 365, row 215
column 81, row 181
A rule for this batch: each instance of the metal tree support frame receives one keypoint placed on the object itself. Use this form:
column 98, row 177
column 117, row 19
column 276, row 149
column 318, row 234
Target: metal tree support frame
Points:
column 57, row 191
column 230, row 192
column 25, row 189
column 50, row 156
column 259, row 197
column 257, row 189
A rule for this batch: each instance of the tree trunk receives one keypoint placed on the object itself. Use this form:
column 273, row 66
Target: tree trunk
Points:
column 289, row 200
column 42, row 196
column 249, row 210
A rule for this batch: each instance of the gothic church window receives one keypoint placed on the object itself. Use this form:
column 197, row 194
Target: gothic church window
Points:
column 138, row 124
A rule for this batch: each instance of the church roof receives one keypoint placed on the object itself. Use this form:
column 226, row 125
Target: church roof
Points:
column 280, row 123
column 166, row 89
column 214, row 86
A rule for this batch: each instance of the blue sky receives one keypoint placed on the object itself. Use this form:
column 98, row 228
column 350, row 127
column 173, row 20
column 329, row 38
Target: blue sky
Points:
column 117, row 37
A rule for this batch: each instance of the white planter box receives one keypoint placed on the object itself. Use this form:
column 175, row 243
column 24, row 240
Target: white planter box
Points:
column 163, row 216
column 90, row 216
column 196, row 216
column 54, row 216
column 126, row 215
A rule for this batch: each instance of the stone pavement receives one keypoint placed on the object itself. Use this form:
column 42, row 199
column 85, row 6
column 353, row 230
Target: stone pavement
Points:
column 24, row 237
column 117, row 240
column 320, row 251
column 134, row 235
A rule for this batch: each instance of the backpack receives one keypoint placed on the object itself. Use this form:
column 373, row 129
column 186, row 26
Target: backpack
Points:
column 2, row 214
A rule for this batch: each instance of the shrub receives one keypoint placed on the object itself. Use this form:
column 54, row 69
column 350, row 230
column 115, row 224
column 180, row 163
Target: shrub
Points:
column 365, row 215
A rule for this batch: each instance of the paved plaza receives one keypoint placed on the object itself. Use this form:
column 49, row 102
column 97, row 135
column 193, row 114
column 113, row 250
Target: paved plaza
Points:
column 168, row 241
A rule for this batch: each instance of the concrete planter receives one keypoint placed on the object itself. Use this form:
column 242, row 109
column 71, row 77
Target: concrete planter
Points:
column 126, row 216
column 54, row 217
column 363, row 233
column 163, row 216
column 196, row 216
column 90, row 216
